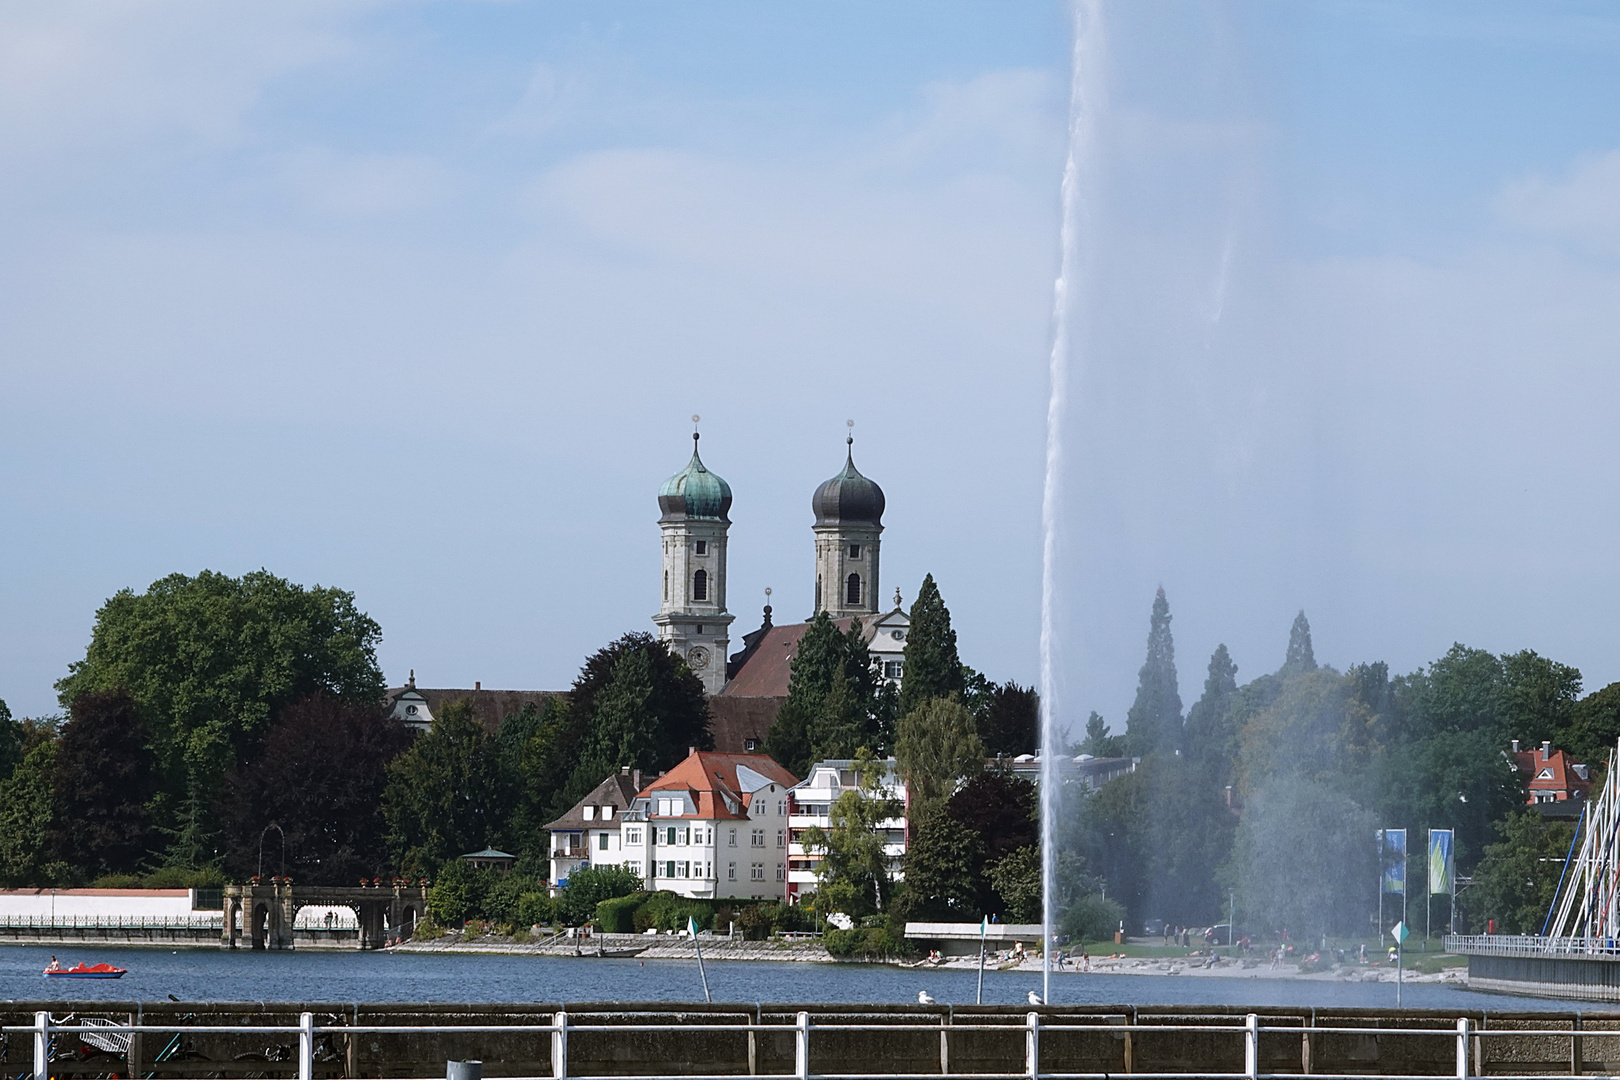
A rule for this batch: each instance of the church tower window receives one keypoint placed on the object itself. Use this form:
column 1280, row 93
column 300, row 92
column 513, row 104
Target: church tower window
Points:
column 700, row 585
column 854, row 551
column 666, row 584
column 702, row 547
column 852, row 590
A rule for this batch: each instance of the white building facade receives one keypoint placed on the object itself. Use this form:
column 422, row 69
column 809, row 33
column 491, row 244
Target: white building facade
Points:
column 591, row 834
column 810, row 806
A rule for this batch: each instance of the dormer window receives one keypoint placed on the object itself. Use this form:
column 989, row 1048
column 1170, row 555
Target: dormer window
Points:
column 750, row 745
column 607, row 812
column 590, row 813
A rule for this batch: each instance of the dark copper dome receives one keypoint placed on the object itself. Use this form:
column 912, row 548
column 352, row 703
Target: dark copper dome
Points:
column 848, row 498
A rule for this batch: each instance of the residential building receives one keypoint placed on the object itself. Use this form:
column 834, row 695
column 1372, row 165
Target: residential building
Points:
column 810, row 805
column 1554, row 782
column 713, row 827
column 590, row 833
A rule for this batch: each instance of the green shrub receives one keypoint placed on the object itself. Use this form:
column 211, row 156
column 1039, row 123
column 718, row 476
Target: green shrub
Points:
column 175, row 877
column 668, row 911
column 867, row 943
column 618, row 916
column 459, row 892
column 589, row 886
column 504, row 900
column 760, row 920
column 426, row 929
column 535, row 909
column 1093, row 918
column 119, row 881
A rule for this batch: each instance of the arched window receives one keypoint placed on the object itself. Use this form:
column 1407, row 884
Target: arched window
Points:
column 700, row 585
column 852, row 590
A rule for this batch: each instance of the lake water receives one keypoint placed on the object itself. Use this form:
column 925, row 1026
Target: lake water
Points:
column 218, row 975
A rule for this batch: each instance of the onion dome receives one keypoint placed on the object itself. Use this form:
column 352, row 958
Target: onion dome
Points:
column 695, row 492
column 848, row 498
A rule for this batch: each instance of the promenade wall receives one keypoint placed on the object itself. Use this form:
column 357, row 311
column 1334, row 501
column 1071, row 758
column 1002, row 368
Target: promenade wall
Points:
column 849, row 1040
column 93, row 904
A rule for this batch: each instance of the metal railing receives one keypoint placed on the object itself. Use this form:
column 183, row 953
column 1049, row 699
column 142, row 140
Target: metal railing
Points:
column 111, row 922
column 1247, row 1029
column 1529, row 945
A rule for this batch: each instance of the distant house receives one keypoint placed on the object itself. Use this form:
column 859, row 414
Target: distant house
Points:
column 590, row 833
column 810, row 805
column 418, row 706
column 1555, row 783
column 713, row 827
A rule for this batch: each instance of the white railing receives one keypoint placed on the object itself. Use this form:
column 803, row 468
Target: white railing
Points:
column 112, row 922
column 1247, row 1030
column 1531, row 946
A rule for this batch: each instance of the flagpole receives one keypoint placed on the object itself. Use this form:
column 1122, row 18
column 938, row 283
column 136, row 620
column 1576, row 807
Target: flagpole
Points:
column 984, row 927
column 1428, row 893
column 691, row 924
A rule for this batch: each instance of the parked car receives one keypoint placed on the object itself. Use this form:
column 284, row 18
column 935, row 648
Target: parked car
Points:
column 1220, row 934
column 1153, row 928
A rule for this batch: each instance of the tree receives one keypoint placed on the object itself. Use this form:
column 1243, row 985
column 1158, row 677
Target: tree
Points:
column 933, row 668
column 1594, row 727
column 1300, row 657
column 834, row 704
column 1098, row 742
column 320, row 777
column 589, row 886
column 103, row 782
column 1154, row 721
column 208, row 660
column 943, row 864
column 27, row 801
column 1539, row 696
column 11, row 742
column 1210, row 735
column 446, row 795
column 1010, row 720
column 1517, row 880
column 937, row 747
column 853, row 874
column 1017, row 881
column 1305, row 862
column 626, row 724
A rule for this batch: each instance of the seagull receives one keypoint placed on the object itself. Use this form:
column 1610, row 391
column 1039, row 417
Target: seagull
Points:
column 923, row 998
column 1035, row 999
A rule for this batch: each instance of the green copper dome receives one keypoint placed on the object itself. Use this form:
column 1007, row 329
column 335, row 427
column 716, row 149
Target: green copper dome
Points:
column 695, row 492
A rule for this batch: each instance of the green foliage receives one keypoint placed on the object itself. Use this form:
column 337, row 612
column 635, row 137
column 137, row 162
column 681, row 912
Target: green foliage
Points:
column 834, row 704
column 1211, row 736
column 1517, row 880
column 937, row 746
column 589, row 886
column 208, row 660
column 867, row 943
column 1098, row 742
column 933, row 668
column 448, row 794
column 1594, row 727
column 1304, row 861
column 518, row 901
column 321, row 777
column 1301, row 657
column 1017, row 880
column 103, row 782
column 1009, row 717
column 27, row 799
column 853, row 874
column 1092, row 917
column 618, row 915
column 1154, row 721
column 665, row 910
column 459, row 892
column 758, row 921
column 942, row 866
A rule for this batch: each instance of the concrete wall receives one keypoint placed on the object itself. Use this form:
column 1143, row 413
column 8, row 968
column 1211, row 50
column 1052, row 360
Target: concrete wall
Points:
column 95, row 903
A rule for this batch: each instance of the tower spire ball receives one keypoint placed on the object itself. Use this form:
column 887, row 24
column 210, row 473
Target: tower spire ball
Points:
column 849, row 440
column 695, row 419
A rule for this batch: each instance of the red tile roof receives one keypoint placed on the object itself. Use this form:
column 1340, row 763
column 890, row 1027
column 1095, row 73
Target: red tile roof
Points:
column 1552, row 772
column 767, row 672
column 736, row 720
column 711, row 779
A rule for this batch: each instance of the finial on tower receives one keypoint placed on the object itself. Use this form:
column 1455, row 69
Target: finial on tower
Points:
column 695, row 419
column 767, row 604
column 897, row 604
column 849, row 440
column 411, row 682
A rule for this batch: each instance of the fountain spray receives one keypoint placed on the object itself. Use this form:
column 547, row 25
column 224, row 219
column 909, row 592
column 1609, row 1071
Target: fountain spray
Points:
column 1087, row 44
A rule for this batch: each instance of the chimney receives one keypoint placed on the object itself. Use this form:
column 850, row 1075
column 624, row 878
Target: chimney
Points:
column 624, row 770
column 1515, row 746
column 690, row 750
column 635, row 778
column 477, row 685
column 1546, row 749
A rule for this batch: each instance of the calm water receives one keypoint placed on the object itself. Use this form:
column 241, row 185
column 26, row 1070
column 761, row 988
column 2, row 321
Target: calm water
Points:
column 214, row 975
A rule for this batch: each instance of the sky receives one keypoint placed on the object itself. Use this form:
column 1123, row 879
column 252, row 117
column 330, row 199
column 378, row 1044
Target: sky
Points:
column 418, row 299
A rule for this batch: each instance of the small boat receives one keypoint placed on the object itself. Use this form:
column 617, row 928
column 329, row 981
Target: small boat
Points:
column 81, row 971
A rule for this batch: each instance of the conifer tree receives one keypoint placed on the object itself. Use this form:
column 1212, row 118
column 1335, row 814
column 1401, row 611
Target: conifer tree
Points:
column 1154, row 721
column 1301, row 657
column 933, row 668
column 1207, row 727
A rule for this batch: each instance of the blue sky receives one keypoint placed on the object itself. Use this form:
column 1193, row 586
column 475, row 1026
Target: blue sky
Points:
column 416, row 300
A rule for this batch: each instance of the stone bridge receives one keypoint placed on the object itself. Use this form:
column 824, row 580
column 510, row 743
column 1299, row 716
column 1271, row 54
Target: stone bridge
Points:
column 262, row 912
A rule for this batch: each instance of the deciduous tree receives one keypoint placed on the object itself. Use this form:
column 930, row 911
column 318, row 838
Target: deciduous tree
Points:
column 937, row 747
column 853, row 874
column 446, row 795
column 103, row 781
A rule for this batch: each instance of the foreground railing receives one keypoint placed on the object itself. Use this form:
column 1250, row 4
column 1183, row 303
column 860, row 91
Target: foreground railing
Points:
column 1527, row 945
column 1245, row 1030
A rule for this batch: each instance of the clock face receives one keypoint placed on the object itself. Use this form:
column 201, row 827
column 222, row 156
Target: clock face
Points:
column 698, row 658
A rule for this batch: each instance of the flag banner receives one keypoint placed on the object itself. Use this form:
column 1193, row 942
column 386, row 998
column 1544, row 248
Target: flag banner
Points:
column 1392, row 856
column 1441, row 845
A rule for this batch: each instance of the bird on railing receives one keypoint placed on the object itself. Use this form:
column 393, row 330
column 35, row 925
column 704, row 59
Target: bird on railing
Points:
column 1035, row 999
column 923, row 998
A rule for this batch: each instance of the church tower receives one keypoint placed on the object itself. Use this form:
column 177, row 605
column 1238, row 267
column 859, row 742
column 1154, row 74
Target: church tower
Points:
column 692, row 619
column 849, row 517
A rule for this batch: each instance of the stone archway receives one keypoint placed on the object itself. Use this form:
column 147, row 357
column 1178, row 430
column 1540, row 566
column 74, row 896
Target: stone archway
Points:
column 260, row 922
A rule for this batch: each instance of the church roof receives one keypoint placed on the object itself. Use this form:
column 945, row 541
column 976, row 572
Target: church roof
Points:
column 766, row 672
column 694, row 492
column 848, row 498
